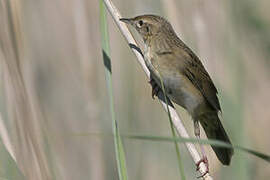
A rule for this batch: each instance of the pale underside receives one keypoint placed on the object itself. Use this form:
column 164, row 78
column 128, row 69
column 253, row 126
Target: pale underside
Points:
column 178, row 87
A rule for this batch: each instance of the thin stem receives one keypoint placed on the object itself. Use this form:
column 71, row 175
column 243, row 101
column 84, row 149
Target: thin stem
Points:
column 119, row 150
column 180, row 165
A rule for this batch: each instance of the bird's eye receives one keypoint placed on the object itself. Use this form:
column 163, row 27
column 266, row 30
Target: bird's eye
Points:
column 140, row 23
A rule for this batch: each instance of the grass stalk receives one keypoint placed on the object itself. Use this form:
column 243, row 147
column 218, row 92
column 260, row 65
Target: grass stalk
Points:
column 211, row 142
column 119, row 150
column 180, row 164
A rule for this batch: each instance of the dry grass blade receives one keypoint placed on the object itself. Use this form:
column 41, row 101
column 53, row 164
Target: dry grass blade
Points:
column 6, row 140
column 22, row 108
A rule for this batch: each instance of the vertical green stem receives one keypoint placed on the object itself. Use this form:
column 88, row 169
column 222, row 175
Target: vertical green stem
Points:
column 119, row 150
column 180, row 165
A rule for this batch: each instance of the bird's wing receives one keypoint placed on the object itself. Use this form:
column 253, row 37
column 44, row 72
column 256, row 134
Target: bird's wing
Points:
column 196, row 73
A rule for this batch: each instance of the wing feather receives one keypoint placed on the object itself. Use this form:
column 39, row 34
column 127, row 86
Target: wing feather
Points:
column 196, row 73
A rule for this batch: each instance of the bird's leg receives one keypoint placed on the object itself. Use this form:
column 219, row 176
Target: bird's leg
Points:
column 204, row 158
column 155, row 87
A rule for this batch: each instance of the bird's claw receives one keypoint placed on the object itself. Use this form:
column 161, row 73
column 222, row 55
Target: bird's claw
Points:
column 205, row 161
column 155, row 88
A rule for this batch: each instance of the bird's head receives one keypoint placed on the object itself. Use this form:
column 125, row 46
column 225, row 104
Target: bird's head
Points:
column 148, row 25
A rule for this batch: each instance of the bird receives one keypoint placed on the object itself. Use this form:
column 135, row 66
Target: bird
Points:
column 186, row 81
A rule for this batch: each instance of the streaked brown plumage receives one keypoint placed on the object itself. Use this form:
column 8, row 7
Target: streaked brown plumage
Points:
column 185, row 79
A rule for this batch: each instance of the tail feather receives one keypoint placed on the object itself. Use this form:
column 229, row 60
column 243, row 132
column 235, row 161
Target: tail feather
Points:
column 214, row 130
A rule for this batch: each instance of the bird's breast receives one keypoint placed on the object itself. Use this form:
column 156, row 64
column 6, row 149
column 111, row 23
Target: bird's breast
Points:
column 147, row 56
column 178, row 86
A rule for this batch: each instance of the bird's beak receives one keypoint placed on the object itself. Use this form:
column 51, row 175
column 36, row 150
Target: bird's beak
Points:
column 126, row 20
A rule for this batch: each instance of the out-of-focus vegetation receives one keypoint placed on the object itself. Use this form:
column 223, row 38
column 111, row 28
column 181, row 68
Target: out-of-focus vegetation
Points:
column 54, row 98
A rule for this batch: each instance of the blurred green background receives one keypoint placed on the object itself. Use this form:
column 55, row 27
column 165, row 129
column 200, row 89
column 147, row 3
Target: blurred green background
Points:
column 54, row 102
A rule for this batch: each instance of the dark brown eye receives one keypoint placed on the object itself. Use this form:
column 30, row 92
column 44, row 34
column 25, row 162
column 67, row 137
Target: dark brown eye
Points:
column 140, row 23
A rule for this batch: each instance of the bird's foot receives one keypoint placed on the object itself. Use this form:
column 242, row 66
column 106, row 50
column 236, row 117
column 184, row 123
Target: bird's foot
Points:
column 155, row 88
column 205, row 161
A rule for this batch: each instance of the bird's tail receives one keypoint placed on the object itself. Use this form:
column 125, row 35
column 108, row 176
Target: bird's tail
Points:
column 214, row 130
